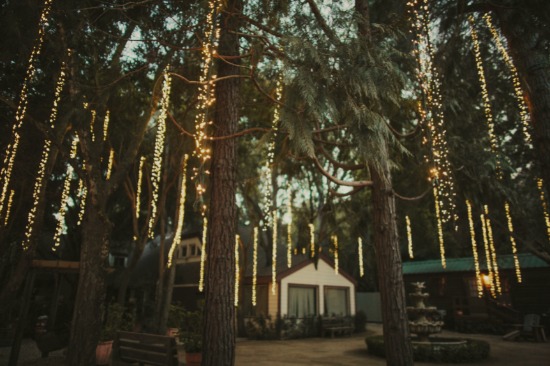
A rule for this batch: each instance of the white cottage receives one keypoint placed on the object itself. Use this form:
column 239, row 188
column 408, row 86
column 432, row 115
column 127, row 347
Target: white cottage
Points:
column 310, row 287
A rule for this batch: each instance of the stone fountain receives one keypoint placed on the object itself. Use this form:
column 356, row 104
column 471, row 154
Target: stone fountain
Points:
column 424, row 317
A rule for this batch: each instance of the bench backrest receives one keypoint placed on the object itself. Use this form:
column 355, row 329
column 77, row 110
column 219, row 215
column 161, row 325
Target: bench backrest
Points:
column 146, row 348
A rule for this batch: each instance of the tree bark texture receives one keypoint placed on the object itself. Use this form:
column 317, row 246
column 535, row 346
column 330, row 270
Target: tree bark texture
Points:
column 529, row 50
column 219, row 323
column 390, row 274
column 86, row 322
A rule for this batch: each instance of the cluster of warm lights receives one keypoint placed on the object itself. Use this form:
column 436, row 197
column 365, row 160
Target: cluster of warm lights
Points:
column 409, row 237
column 439, row 229
column 485, row 95
column 206, row 98
column 490, row 236
column 92, row 123
column 544, row 201
column 110, row 164
column 82, row 193
column 432, row 116
column 274, row 254
column 255, row 266
column 39, row 181
column 64, row 199
column 311, row 240
column 139, row 183
column 479, row 281
column 360, row 252
column 237, row 275
column 159, row 148
column 106, row 125
column 203, row 252
column 334, row 239
column 513, row 241
column 11, row 150
column 8, row 210
column 289, row 229
column 488, row 257
column 268, row 169
column 181, row 211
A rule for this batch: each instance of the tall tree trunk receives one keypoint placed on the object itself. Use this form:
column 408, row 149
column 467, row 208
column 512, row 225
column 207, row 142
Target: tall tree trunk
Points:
column 390, row 274
column 219, row 323
column 529, row 49
column 86, row 322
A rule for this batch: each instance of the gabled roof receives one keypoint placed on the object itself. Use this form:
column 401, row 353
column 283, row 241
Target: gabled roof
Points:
column 526, row 260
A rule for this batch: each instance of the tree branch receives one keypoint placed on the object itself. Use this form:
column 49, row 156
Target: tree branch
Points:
column 364, row 183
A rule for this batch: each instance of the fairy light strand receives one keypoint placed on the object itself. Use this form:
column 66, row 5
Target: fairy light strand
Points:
column 139, row 184
column 274, row 254
column 409, row 237
column 237, row 275
column 255, row 266
column 64, row 199
column 106, row 125
column 82, row 193
column 203, row 253
column 360, row 253
column 492, row 248
column 513, row 241
column 439, row 229
column 488, row 256
column 110, row 164
column 479, row 281
column 289, row 230
column 159, row 148
column 431, row 111
column 336, row 258
column 8, row 210
column 12, row 148
column 181, row 211
column 544, row 201
column 311, row 240
column 92, row 124
column 39, row 179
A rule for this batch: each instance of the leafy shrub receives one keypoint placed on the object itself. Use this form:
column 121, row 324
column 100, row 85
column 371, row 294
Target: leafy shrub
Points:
column 116, row 318
column 191, row 330
column 471, row 351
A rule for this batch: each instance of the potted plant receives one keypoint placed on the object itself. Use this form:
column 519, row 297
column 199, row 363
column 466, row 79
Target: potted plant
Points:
column 176, row 314
column 191, row 336
column 116, row 319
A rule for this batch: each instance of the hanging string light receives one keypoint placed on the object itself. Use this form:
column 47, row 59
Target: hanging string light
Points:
column 336, row 259
column 82, row 193
column 488, row 255
column 64, row 198
column 237, row 275
column 206, row 99
column 255, row 266
column 409, row 237
column 106, row 125
column 92, row 124
column 110, row 164
column 485, row 96
column 13, row 146
column 479, row 281
column 360, row 252
column 439, row 228
column 8, row 208
column 39, row 180
column 139, row 183
column 489, row 228
column 431, row 111
column 513, row 241
column 289, row 229
column 274, row 254
column 311, row 240
column 540, row 186
column 181, row 211
column 159, row 148
column 203, row 252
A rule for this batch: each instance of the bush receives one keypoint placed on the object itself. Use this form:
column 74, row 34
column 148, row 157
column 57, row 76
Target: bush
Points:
column 471, row 351
column 191, row 331
column 360, row 321
column 117, row 318
column 262, row 328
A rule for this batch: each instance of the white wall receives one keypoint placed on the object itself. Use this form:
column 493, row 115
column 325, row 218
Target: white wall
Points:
column 323, row 276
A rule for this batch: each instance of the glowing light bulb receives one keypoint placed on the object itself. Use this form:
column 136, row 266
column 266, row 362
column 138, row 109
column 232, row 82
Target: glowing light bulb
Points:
column 409, row 237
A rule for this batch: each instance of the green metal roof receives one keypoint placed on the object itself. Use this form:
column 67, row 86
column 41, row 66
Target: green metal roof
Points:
column 526, row 260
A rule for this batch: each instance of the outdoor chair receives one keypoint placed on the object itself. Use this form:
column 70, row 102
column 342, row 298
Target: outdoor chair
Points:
column 530, row 329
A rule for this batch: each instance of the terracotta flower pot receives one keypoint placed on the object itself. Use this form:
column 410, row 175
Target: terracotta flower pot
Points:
column 193, row 359
column 103, row 352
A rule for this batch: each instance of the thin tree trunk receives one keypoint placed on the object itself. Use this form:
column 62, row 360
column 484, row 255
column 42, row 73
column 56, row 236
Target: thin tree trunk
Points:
column 219, row 323
column 86, row 323
column 390, row 275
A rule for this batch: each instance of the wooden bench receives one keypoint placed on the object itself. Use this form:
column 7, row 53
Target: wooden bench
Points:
column 338, row 325
column 144, row 349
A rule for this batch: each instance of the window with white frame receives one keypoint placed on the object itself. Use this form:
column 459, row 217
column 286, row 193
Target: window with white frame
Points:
column 336, row 301
column 302, row 301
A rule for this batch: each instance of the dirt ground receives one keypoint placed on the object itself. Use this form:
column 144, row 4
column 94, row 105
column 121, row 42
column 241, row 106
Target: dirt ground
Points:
column 340, row 351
